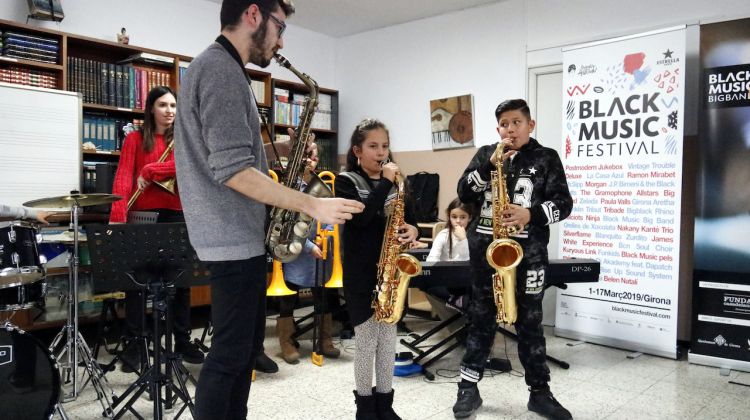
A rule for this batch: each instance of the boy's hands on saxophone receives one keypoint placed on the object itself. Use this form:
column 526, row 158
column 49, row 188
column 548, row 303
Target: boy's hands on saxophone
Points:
column 407, row 233
column 516, row 216
column 503, row 150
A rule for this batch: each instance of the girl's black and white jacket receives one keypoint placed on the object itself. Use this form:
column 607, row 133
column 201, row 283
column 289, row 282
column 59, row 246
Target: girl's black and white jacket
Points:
column 362, row 237
column 535, row 180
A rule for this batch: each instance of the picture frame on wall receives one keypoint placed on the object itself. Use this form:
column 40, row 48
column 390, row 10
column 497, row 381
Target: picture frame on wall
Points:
column 452, row 122
column 46, row 10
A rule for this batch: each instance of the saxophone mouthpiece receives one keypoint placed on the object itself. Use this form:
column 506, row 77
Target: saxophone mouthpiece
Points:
column 283, row 62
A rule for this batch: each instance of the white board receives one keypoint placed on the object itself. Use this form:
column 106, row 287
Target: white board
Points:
column 40, row 143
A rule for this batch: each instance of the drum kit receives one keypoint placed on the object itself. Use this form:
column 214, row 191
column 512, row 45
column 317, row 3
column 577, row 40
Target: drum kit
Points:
column 38, row 375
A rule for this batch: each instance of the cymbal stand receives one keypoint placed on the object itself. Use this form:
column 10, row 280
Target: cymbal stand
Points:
column 75, row 348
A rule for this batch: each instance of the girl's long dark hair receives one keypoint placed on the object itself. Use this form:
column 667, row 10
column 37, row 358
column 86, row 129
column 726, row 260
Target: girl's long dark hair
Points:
column 358, row 137
column 456, row 204
column 149, row 122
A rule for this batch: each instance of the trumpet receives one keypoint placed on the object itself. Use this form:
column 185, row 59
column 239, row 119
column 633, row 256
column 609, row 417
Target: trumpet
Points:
column 337, row 274
column 167, row 184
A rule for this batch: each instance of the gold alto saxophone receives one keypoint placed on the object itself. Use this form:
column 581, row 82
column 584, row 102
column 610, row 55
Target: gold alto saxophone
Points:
column 503, row 254
column 288, row 230
column 395, row 267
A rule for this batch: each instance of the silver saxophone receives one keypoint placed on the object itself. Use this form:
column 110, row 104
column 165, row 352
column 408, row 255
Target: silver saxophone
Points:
column 288, row 230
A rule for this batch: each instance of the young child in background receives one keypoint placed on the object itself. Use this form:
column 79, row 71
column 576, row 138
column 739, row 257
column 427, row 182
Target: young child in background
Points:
column 538, row 191
column 451, row 244
column 298, row 274
column 369, row 178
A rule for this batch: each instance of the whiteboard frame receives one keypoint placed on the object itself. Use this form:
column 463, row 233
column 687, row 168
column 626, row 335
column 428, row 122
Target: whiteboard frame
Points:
column 5, row 199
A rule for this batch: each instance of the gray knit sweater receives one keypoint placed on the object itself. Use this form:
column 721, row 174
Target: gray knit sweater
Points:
column 217, row 134
column 17, row 212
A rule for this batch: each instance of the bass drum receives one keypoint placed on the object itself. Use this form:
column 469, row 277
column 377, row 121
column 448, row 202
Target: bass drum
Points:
column 29, row 379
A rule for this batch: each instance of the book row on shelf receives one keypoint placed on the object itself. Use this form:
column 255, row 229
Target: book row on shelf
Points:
column 17, row 44
column 288, row 111
column 28, row 77
column 119, row 85
column 259, row 90
column 105, row 132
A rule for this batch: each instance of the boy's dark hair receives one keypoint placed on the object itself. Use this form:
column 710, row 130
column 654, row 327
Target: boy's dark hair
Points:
column 513, row 105
column 358, row 137
column 231, row 10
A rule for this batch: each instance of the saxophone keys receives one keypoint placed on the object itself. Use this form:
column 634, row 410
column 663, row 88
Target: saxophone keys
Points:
column 301, row 229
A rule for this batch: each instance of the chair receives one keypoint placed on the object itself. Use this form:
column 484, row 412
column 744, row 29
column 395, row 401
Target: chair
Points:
column 437, row 227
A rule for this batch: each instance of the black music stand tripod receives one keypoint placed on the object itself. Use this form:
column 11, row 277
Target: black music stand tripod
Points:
column 160, row 258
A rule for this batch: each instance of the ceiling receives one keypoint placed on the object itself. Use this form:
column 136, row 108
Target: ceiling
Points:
column 339, row 18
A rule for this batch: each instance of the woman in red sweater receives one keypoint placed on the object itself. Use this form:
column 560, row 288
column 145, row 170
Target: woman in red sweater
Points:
column 139, row 165
column 138, row 168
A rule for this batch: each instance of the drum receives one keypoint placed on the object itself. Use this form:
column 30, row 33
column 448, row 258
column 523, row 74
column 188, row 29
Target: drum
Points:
column 29, row 379
column 20, row 262
column 22, row 297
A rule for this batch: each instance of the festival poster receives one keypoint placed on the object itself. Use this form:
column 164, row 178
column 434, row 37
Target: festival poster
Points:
column 721, row 292
column 623, row 144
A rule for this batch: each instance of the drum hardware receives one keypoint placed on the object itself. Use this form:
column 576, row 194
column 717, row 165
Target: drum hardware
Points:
column 20, row 261
column 69, row 342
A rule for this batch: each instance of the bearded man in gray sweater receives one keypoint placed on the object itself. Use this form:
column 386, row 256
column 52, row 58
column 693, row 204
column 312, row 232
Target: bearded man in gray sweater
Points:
column 224, row 188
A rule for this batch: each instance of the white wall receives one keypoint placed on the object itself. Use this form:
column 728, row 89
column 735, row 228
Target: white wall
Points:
column 178, row 26
column 393, row 73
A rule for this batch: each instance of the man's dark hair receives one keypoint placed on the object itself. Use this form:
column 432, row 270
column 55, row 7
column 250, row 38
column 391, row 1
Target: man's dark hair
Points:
column 231, row 10
column 513, row 105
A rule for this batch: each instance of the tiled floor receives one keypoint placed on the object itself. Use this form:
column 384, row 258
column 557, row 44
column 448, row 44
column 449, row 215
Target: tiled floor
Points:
column 602, row 383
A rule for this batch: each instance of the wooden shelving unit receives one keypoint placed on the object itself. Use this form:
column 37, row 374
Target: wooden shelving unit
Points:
column 327, row 138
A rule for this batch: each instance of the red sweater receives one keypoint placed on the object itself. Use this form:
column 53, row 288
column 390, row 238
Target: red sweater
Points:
column 133, row 162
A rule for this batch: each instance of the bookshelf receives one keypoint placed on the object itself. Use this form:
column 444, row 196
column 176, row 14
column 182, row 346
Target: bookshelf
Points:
column 287, row 105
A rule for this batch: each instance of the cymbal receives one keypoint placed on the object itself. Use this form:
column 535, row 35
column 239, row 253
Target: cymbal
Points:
column 68, row 201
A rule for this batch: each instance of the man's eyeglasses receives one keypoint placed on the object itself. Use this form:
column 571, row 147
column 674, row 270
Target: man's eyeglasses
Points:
column 282, row 25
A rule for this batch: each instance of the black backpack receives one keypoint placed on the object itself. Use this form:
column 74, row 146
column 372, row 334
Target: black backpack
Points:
column 424, row 189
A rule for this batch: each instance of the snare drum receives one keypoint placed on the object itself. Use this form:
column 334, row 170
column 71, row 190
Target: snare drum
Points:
column 29, row 379
column 20, row 262
column 22, row 297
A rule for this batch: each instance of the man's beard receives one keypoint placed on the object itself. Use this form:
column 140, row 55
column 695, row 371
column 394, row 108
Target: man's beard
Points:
column 257, row 48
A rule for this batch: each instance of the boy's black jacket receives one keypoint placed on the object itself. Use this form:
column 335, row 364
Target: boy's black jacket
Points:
column 535, row 179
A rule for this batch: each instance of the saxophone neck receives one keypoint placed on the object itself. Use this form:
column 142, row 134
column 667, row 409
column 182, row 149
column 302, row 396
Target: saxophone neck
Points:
column 306, row 79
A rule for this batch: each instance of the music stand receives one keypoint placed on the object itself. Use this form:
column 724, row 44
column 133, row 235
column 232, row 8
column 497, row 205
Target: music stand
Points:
column 153, row 258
